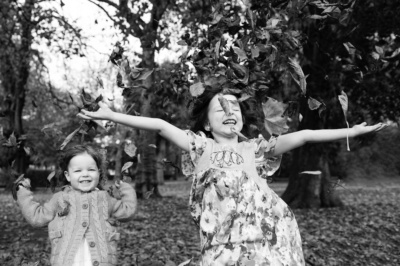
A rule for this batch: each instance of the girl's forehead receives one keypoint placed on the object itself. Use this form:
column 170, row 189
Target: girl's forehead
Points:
column 82, row 159
column 215, row 102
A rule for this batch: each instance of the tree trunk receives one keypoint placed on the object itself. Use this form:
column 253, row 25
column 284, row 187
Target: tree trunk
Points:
column 14, row 80
column 118, row 161
column 302, row 192
column 148, row 153
column 161, row 154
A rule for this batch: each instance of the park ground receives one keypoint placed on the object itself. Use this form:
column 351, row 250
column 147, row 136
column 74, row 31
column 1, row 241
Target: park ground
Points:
column 364, row 232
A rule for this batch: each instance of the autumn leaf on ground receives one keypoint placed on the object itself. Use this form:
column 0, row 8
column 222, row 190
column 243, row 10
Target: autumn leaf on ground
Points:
column 240, row 53
column 130, row 149
column 301, row 79
column 185, row 262
column 350, row 48
column 126, row 166
column 148, row 194
column 196, row 89
column 344, row 102
column 275, row 120
column 225, row 105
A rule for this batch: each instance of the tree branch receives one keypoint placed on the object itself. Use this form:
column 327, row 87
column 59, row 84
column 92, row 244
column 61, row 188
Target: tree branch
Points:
column 105, row 11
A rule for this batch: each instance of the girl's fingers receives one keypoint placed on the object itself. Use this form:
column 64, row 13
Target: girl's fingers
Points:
column 364, row 123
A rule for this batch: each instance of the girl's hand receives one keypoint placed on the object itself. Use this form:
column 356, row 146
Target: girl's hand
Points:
column 21, row 181
column 104, row 113
column 364, row 129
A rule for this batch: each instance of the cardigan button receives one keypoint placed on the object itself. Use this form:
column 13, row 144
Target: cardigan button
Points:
column 95, row 263
column 85, row 206
column 92, row 244
column 84, row 224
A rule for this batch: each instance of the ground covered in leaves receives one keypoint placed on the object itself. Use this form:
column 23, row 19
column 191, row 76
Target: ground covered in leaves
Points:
column 365, row 232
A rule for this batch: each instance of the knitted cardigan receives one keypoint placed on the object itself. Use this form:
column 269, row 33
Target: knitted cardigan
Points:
column 72, row 215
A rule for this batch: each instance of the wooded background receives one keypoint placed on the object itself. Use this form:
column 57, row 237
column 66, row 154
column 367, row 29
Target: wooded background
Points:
column 350, row 46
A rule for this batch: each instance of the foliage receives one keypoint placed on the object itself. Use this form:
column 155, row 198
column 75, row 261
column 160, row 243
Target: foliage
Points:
column 23, row 26
column 162, row 233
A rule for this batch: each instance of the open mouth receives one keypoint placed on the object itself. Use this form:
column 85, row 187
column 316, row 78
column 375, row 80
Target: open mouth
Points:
column 85, row 181
column 229, row 122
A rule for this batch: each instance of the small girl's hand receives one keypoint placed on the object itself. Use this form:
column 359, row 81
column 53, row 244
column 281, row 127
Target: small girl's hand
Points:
column 104, row 113
column 118, row 183
column 21, row 181
column 364, row 129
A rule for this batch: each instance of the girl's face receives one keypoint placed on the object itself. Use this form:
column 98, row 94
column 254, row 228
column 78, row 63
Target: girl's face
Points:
column 220, row 123
column 83, row 173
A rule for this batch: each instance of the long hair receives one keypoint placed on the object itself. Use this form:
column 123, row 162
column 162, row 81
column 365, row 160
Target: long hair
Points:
column 65, row 157
column 198, row 110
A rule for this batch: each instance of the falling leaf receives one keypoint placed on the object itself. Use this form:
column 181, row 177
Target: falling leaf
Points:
column 182, row 42
column 196, row 89
column 301, row 81
column 225, row 105
column 116, row 53
column 344, row 102
column 51, row 175
column 126, row 166
column 275, row 121
column 27, row 150
column 144, row 74
column 238, row 133
column 69, row 137
column 241, row 72
column 244, row 97
column 11, row 142
column 100, row 82
column 313, row 104
column 130, row 149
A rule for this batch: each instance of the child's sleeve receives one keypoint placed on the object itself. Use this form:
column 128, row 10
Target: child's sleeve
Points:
column 266, row 163
column 36, row 214
column 124, row 209
column 197, row 145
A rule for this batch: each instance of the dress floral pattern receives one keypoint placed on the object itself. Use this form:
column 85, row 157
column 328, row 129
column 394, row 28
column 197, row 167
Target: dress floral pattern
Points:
column 241, row 220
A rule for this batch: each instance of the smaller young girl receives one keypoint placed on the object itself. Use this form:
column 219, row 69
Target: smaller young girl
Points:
column 80, row 217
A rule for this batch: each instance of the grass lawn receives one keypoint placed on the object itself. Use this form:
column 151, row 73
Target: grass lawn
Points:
column 365, row 232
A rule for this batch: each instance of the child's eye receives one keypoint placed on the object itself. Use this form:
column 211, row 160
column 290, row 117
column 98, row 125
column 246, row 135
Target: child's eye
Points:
column 77, row 171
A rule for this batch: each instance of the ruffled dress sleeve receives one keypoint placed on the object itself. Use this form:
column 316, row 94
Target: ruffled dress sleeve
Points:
column 197, row 144
column 266, row 163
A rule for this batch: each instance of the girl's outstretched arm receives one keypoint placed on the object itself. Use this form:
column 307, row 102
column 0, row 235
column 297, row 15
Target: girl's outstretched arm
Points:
column 170, row 132
column 294, row 140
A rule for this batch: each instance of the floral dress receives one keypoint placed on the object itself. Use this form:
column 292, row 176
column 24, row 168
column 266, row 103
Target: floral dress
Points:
column 241, row 220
